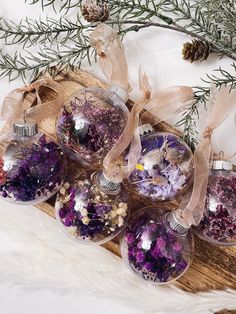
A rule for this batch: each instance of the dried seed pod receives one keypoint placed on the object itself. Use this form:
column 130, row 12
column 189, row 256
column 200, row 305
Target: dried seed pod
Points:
column 198, row 50
column 95, row 11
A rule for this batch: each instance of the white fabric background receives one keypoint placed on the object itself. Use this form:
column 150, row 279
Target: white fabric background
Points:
column 159, row 52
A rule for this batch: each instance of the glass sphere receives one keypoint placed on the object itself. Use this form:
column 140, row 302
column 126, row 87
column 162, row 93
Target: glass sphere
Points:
column 90, row 123
column 154, row 251
column 164, row 170
column 89, row 212
column 32, row 169
column 218, row 224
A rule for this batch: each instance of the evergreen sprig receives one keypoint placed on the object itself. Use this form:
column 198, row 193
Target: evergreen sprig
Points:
column 212, row 21
column 30, row 32
column 58, row 5
column 128, row 15
column 187, row 16
column 188, row 122
column 21, row 65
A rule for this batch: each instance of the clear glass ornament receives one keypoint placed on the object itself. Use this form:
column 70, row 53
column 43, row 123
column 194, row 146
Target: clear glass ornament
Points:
column 218, row 225
column 92, row 209
column 153, row 249
column 32, row 167
column 90, row 123
column 164, row 170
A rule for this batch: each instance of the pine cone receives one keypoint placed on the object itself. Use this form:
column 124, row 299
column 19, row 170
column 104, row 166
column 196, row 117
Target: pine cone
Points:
column 95, row 11
column 198, row 50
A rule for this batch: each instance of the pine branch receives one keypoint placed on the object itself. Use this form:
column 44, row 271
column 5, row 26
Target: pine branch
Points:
column 220, row 77
column 212, row 21
column 190, row 19
column 206, row 18
column 38, row 31
column 138, row 25
column 58, row 5
column 29, row 66
column 30, row 32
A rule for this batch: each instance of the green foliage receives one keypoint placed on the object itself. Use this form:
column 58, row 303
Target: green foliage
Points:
column 29, row 32
column 212, row 18
column 65, row 41
column 21, row 65
column 58, row 5
column 220, row 77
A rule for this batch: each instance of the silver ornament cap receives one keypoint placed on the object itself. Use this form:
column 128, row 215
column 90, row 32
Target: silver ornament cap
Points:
column 222, row 165
column 107, row 185
column 25, row 129
column 175, row 225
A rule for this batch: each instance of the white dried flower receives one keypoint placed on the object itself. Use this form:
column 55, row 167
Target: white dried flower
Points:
column 120, row 221
column 84, row 212
column 66, row 199
column 79, row 204
column 122, row 209
column 85, row 220
column 62, row 190
column 66, row 185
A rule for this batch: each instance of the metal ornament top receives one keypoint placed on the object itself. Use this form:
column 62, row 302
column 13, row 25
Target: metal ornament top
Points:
column 25, row 129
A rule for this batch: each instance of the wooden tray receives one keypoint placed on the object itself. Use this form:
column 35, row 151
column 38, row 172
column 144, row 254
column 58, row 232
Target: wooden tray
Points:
column 213, row 267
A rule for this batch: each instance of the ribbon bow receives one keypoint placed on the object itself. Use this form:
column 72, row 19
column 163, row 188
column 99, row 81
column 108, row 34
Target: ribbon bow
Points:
column 162, row 106
column 15, row 106
column 207, row 132
column 111, row 54
column 219, row 106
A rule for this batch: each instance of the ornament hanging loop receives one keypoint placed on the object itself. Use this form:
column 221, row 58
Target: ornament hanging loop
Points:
column 220, row 106
column 221, row 155
column 207, row 132
column 15, row 107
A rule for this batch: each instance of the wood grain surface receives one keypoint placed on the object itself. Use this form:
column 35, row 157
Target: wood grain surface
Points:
column 213, row 267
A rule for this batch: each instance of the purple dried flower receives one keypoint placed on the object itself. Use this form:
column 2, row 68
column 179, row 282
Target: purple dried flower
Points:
column 88, row 126
column 158, row 174
column 37, row 173
column 161, row 243
column 129, row 238
column 177, row 247
column 154, row 252
column 219, row 220
column 148, row 266
column 140, row 256
column 90, row 213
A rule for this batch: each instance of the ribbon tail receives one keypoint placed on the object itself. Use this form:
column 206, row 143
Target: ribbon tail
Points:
column 111, row 55
column 220, row 105
column 192, row 212
column 166, row 103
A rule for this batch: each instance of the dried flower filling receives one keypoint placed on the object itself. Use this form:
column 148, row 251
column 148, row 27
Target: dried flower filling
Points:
column 164, row 169
column 31, row 171
column 152, row 250
column 87, row 213
column 219, row 220
column 89, row 126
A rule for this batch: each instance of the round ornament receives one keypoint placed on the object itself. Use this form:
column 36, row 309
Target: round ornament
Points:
column 32, row 168
column 218, row 224
column 92, row 209
column 90, row 123
column 165, row 168
column 154, row 249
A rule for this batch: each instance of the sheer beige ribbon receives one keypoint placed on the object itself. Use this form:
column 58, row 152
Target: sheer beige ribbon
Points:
column 111, row 55
column 14, row 107
column 219, row 107
column 165, row 103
